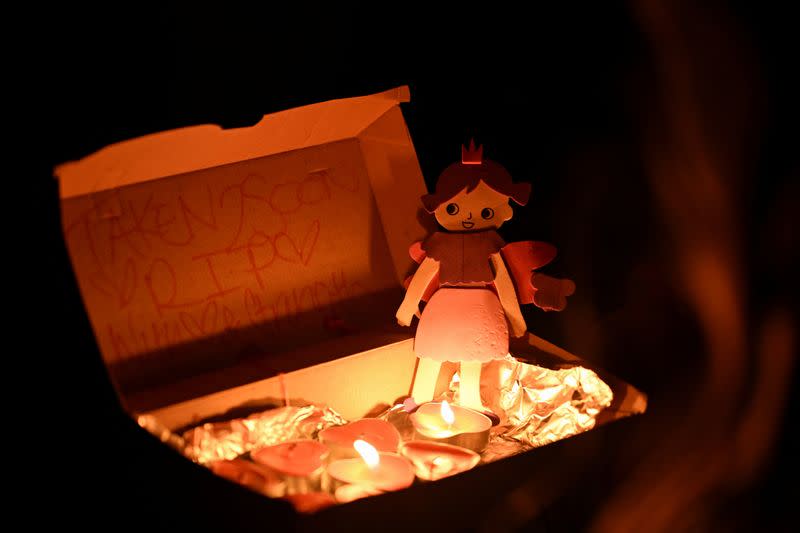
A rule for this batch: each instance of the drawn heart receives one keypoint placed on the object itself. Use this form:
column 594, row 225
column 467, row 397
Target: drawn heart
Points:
column 207, row 324
column 229, row 318
column 289, row 251
column 309, row 242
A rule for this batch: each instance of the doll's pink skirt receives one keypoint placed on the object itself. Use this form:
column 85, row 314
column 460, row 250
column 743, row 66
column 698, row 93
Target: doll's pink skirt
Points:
column 462, row 325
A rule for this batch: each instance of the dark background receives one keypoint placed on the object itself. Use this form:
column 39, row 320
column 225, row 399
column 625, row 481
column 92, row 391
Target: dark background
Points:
column 566, row 96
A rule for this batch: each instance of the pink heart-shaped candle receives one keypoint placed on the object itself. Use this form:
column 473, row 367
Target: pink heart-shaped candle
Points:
column 297, row 458
column 379, row 433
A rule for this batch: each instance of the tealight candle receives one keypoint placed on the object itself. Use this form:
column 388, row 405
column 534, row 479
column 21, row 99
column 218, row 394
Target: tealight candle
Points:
column 441, row 422
column 436, row 460
column 374, row 471
column 299, row 463
column 379, row 433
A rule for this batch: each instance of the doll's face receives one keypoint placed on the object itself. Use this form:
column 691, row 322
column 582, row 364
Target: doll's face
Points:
column 482, row 208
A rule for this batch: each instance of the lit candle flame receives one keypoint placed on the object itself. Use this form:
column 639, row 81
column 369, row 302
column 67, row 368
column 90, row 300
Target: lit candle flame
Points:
column 447, row 413
column 368, row 453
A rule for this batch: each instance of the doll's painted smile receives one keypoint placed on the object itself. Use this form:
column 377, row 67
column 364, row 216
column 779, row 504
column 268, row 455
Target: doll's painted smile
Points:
column 467, row 224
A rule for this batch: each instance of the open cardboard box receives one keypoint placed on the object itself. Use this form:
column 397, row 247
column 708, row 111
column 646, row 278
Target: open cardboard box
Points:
column 221, row 268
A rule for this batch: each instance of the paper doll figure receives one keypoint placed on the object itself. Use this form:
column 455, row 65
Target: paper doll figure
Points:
column 472, row 299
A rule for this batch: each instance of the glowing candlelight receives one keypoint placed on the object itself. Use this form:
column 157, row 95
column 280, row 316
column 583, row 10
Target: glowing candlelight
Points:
column 447, row 414
column 374, row 472
column 379, row 433
column 454, row 424
column 368, row 453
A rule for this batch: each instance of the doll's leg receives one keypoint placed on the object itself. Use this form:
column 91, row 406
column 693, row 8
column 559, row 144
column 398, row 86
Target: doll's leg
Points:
column 425, row 380
column 469, row 392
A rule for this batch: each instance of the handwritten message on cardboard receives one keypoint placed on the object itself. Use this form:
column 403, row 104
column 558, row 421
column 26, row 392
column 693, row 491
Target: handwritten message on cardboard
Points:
column 270, row 247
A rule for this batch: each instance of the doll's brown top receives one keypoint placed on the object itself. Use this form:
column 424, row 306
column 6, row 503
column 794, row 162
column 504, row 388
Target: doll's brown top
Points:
column 463, row 256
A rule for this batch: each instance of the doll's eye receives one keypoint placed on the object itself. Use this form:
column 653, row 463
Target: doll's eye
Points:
column 487, row 213
column 452, row 209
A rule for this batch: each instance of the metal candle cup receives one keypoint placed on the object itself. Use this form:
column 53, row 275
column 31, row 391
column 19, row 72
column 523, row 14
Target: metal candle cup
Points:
column 436, row 460
column 299, row 463
column 468, row 429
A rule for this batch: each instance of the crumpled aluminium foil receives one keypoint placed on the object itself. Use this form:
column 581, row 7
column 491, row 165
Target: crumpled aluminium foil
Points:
column 228, row 440
column 536, row 405
column 544, row 405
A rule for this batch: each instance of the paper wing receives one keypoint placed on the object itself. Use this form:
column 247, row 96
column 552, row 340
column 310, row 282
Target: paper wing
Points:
column 521, row 259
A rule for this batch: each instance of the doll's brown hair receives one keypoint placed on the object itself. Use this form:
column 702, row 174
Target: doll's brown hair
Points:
column 459, row 175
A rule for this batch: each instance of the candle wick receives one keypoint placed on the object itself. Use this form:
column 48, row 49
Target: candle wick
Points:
column 284, row 391
column 290, row 449
column 434, row 464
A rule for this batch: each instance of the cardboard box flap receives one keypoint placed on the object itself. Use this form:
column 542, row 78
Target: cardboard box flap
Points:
column 199, row 248
column 198, row 147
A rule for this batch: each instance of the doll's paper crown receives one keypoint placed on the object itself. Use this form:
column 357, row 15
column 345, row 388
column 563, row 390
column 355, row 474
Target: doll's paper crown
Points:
column 471, row 155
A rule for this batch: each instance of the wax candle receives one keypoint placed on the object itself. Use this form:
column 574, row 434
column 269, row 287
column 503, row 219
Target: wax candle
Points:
column 379, row 433
column 460, row 426
column 373, row 471
column 298, row 462
column 436, row 460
